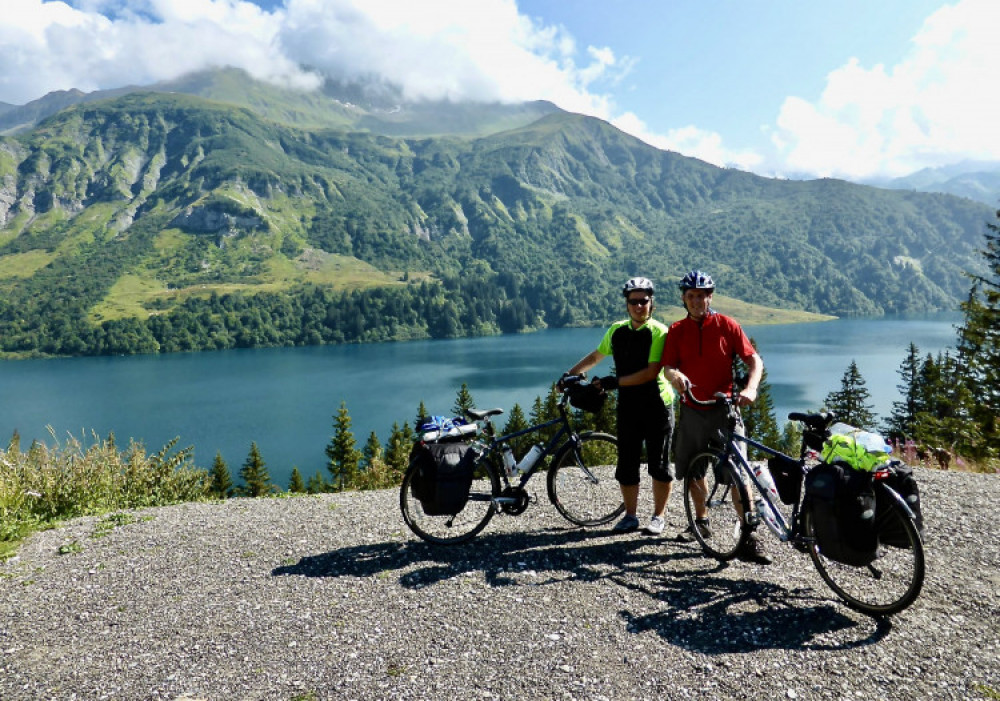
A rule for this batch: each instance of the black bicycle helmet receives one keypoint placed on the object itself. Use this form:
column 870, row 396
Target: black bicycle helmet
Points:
column 637, row 283
column 696, row 280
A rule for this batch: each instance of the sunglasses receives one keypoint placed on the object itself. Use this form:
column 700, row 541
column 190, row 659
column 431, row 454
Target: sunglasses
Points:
column 639, row 302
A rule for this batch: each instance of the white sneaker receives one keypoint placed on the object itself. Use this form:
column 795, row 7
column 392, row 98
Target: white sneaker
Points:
column 655, row 526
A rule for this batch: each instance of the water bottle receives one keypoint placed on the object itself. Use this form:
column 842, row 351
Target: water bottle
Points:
column 764, row 512
column 509, row 461
column 528, row 461
column 766, row 481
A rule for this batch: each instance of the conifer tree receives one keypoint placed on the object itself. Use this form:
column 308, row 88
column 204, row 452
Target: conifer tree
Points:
column 316, row 484
column 463, row 401
column 758, row 418
column 790, row 442
column 902, row 419
column 944, row 417
column 296, row 485
column 343, row 456
column 517, row 421
column 221, row 486
column 397, row 449
column 372, row 451
column 851, row 402
column 422, row 414
column 979, row 344
column 256, row 480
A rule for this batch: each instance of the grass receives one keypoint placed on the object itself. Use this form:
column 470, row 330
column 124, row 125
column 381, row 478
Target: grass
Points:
column 24, row 265
column 45, row 485
column 744, row 312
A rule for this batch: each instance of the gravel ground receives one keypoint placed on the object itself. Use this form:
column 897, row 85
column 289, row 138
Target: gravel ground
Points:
column 331, row 597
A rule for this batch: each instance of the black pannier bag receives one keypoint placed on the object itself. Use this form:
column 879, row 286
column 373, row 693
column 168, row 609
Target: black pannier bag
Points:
column 841, row 501
column 901, row 479
column 787, row 475
column 442, row 477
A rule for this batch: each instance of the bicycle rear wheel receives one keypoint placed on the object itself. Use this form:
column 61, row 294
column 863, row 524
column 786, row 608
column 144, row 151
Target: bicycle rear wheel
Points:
column 893, row 580
column 451, row 529
column 727, row 531
column 581, row 481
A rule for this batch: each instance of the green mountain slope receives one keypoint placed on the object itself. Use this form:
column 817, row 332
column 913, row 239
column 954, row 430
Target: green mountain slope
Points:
column 164, row 221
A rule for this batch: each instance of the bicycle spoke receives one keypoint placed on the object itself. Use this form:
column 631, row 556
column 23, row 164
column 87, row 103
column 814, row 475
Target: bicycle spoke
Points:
column 582, row 484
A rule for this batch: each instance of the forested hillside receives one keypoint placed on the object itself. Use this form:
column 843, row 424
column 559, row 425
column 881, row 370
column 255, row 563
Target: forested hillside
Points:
column 159, row 222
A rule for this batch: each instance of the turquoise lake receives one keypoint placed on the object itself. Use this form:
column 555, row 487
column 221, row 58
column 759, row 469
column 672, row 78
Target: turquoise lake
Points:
column 285, row 398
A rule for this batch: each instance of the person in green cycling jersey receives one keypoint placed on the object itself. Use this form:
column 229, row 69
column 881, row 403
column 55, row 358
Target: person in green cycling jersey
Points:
column 645, row 402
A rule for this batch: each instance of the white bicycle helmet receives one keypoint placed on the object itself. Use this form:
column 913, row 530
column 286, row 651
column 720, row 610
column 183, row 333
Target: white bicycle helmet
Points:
column 638, row 283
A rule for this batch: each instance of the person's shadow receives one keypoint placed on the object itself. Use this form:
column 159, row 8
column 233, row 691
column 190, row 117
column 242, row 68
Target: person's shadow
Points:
column 703, row 609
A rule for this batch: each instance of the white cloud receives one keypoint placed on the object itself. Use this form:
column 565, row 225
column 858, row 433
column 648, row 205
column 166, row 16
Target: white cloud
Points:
column 97, row 44
column 938, row 105
column 690, row 141
column 435, row 49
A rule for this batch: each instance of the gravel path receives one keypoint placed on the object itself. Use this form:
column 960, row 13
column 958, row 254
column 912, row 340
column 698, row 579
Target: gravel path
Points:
column 331, row 597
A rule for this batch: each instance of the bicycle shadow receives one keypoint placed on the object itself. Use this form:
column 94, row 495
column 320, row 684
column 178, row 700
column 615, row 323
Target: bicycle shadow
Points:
column 713, row 614
column 561, row 553
column 704, row 610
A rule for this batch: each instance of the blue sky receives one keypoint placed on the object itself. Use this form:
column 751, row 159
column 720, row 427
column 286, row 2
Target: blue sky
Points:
column 851, row 88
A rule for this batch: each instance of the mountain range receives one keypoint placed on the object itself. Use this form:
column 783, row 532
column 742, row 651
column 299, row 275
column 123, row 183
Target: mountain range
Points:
column 216, row 211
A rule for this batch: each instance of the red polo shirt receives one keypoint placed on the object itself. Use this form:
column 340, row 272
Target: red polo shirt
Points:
column 705, row 352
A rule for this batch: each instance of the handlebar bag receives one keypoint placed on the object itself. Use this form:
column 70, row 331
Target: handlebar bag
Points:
column 841, row 501
column 442, row 477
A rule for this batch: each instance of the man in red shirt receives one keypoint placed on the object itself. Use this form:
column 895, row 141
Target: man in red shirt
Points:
column 698, row 354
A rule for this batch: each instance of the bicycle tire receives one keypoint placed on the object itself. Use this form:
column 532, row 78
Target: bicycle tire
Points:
column 889, row 584
column 455, row 528
column 728, row 530
column 581, row 481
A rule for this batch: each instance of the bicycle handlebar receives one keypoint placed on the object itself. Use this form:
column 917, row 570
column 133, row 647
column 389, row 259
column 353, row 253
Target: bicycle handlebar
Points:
column 720, row 398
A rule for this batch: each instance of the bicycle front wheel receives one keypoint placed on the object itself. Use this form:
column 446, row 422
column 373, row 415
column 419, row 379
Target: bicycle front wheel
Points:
column 893, row 580
column 714, row 487
column 582, row 484
column 451, row 529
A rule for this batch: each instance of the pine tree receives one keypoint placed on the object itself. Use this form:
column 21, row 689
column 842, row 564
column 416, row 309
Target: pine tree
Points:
column 422, row 414
column 944, row 416
column 790, row 442
column 851, row 402
column 256, row 480
column 344, row 458
column 295, row 483
column 463, row 401
column 517, row 421
column 221, row 486
column 397, row 449
column 902, row 420
column 979, row 344
column 372, row 451
column 759, row 421
column 316, row 484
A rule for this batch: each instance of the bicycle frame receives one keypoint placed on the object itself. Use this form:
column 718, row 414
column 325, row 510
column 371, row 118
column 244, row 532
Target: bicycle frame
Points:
column 785, row 530
column 565, row 433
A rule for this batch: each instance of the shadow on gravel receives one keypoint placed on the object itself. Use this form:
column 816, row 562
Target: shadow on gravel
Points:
column 562, row 554
column 714, row 615
column 703, row 610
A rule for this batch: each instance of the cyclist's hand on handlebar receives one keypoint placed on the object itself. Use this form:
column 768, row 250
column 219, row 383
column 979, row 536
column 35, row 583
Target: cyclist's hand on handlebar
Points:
column 746, row 397
column 679, row 381
column 566, row 380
